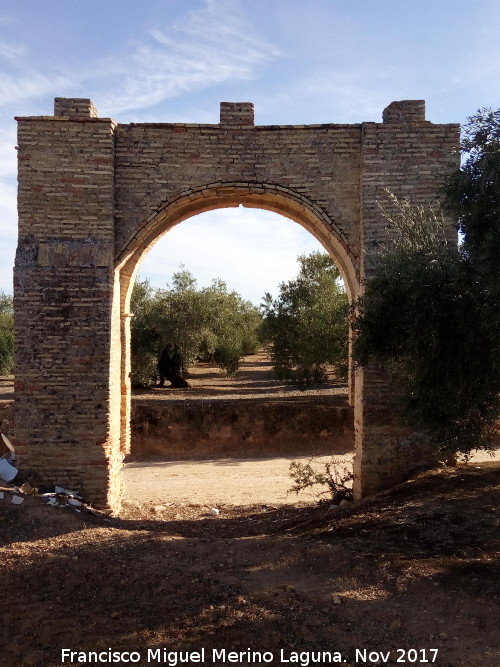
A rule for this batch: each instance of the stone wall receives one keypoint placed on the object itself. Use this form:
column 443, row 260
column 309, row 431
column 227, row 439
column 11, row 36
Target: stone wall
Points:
column 409, row 157
column 157, row 162
column 95, row 195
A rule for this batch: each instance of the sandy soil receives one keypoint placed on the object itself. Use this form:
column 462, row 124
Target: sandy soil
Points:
column 222, row 481
column 229, row 481
column 409, row 577
column 413, row 574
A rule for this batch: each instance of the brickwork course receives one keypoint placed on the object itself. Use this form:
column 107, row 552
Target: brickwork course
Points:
column 94, row 195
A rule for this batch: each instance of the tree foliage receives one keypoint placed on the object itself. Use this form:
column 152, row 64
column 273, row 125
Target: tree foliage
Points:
column 211, row 323
column 432, row 310
column 307, row 323
column 6, row 335
column 473, row 196
column 473, row 191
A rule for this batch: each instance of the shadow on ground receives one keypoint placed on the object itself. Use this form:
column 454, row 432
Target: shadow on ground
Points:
column 417, row 566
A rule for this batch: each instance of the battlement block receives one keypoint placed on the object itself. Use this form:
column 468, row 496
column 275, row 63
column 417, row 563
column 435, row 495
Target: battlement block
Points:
column 74, row 107
column 236, row 114
column 404, row 112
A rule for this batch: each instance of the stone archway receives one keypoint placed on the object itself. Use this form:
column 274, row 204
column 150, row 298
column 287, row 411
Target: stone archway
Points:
column 86, row 189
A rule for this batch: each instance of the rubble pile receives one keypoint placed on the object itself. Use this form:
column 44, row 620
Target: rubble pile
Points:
column 56, row 497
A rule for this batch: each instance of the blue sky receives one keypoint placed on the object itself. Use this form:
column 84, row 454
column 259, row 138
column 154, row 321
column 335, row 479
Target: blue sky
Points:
column 298, row 61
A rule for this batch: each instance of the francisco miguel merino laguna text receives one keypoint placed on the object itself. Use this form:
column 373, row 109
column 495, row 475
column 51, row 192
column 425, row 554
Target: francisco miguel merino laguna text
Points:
column 174, row 658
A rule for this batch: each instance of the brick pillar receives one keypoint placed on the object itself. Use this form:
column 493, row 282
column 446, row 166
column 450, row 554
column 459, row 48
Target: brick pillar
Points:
column 404, row 112
column 409, row 156
column 67, row 384
column 74, row 107
column 236, row 114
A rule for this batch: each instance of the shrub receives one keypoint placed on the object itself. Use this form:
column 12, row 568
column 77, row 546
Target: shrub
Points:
column 425, row 315
column 337, row 479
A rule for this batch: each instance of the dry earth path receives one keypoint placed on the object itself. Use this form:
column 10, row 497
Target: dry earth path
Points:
column 215, row 482
column 411, row 576
column 227, row 481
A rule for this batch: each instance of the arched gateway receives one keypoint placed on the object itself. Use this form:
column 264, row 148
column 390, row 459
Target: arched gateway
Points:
column 94, row 195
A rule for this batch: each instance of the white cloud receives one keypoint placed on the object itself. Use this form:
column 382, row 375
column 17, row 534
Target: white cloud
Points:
column 8, row 212
column 332, row 95
column 205, row 47
column 8, row 155
column 8, row 233
column 251, row 250
column 219, row 25
column 18, row 87
column 11, row 51
column 7, row 251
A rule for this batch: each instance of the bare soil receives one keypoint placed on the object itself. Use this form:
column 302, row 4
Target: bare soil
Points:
column 220, row 482
column 254, row 380
column 414, row 568
column 413, row 572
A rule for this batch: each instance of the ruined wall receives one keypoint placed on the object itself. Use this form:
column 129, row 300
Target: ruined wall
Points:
column 93, row 197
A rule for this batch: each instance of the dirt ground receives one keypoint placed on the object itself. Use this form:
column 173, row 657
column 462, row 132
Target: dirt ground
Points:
column 210, row 483
column 413, row 572
column 253, row 381
column 409, row 577
column 218, row 482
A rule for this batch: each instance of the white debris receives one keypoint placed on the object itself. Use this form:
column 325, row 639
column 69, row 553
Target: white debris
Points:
column 52, row 501
column 17, row 500
column 2, row 495
column 66, row 492
column 7, row 471
column 74, row 502
column 10, row 446
column 214, row 511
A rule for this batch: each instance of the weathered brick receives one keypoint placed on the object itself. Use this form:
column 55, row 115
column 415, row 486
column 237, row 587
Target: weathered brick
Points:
column 95, row 195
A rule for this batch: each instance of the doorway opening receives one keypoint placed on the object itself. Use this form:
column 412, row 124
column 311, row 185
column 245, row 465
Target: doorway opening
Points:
column 236, row 428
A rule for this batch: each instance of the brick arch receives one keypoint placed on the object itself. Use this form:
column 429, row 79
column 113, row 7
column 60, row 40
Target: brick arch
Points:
column 86, row 184
column 270, row 197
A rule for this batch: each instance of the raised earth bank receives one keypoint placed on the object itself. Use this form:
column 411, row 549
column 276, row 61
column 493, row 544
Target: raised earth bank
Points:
column 204, row 429
column 250, row 415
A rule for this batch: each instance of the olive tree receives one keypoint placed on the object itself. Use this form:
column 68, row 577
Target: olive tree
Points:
column 180, row 324
column 432, row 309
column 307, row 323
